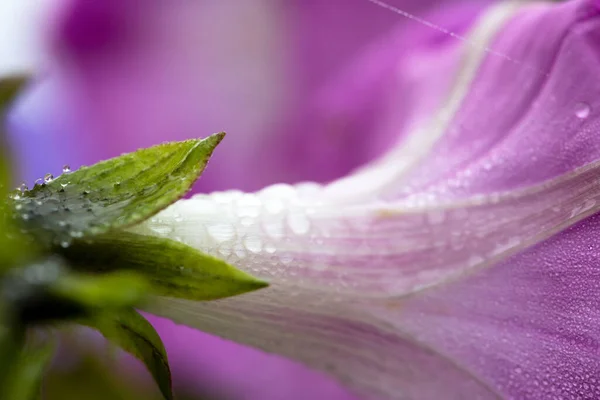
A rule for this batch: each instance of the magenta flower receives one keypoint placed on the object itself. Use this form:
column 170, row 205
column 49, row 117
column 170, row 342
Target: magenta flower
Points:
column 452, row 266
column 459, row 264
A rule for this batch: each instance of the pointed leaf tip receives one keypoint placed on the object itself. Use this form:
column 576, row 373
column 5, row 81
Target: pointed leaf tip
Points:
column 174, row 269
column 113, row 194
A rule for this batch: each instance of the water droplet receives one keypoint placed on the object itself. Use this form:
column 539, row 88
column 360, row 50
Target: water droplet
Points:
column 225, row 251
column 307, row 189
column 286, row 258
column 38, row 182
column 48, row 178
column 64, row 244
column 23, row 187
column 162, row 230
column 279, row 190
column 239, row 250
column 76, row 234
column 25, row 217
column 274, row 206
column 298, row 223
column 18, row 207
column 247, row 221
column 248, row 205
column 221, row 232
column 582, row 110
column 66, row 169
column 253, row 244
column 274, row 228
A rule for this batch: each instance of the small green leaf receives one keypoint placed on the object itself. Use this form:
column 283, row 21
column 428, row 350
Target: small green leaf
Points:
column 132, row 332
column 173, row 268
column 25, row 378
column 113, row 194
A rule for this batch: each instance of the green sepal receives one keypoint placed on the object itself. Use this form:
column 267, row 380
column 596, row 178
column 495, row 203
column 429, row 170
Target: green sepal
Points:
column 134, row 334
column 174, row 269
column 48, row 292
column 113, row 194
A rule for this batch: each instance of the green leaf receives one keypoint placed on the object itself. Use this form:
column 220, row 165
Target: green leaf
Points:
column 101, row 292
column 132, row 332
column 47, row 292
column 113, row 194
column 25, row 377
column 173, row 268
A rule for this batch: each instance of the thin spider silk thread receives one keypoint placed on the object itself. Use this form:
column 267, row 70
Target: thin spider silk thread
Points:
column 463, row 39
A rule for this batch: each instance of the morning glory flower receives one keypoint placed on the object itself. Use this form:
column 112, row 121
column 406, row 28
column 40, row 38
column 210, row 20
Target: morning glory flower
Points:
column 461, row 263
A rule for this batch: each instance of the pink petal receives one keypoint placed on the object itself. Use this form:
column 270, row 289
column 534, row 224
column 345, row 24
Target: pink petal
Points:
column 342, row 258
column 529, row 326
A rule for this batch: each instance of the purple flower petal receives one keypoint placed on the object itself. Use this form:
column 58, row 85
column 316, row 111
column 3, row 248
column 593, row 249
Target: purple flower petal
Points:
column 529, row 326
column 349, row 262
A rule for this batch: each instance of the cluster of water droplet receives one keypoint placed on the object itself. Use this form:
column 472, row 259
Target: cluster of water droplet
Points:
column 48, row 208
column 270, row 226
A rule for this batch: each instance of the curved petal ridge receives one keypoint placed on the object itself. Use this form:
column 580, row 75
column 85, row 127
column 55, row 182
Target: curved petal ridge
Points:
column 372, row 358
column 532, row 131
column 284, row 234
column 375, row 177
